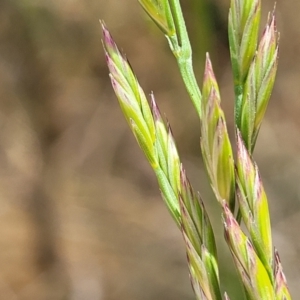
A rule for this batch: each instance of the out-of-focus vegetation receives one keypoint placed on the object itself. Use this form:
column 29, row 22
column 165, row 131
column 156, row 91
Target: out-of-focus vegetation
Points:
column 74, row 185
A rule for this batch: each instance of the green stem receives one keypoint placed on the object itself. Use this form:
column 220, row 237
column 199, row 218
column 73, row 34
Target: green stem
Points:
column 188, row 76
column 169, row 195
column 180, row 24
column 182, row 51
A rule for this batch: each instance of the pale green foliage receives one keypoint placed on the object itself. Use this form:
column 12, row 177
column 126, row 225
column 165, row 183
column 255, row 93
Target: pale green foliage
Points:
column 255, row 278
column 258, row 85
column 237, row 186
column 215, row 144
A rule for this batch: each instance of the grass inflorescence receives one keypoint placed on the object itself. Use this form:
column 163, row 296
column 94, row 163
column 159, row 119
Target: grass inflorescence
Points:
column 236, row 183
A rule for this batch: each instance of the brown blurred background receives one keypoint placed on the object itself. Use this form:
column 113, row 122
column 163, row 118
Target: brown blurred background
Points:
column 81, row 217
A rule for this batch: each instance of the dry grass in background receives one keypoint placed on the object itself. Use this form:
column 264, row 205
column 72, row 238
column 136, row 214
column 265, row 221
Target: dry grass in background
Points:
column 81, row 216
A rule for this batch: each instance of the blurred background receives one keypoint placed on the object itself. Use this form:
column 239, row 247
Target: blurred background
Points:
column 81, row 216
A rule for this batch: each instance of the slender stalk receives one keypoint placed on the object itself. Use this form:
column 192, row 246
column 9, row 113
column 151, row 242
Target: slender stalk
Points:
column 183, row 53
column 167, row 14
column 188, row 76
